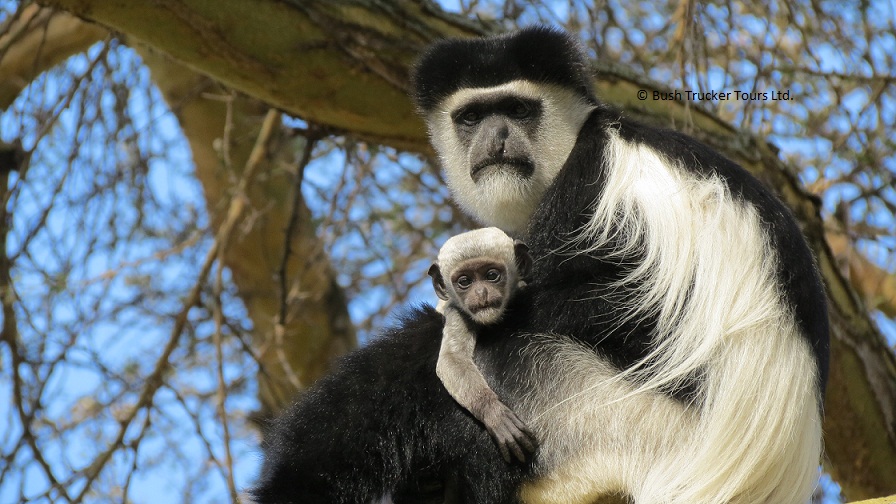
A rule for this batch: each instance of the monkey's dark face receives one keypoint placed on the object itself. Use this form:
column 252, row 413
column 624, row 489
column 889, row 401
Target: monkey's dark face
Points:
column 478, row 272
column 481, row 289
column 498, row 133
column 501, row 147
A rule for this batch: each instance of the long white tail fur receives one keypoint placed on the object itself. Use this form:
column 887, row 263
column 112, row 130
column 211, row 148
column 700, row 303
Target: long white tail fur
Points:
column 707, row 272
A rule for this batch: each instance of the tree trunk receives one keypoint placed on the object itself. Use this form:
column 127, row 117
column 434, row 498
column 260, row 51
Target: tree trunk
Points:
column 316, row 325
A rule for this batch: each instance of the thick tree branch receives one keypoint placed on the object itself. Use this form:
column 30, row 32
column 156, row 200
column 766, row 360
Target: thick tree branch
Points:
column 883, row 500
column 875, row 285
column 35, row 40
column 332, row 63
column 317, row 325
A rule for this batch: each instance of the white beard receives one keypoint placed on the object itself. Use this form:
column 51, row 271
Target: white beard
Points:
column 504, row 198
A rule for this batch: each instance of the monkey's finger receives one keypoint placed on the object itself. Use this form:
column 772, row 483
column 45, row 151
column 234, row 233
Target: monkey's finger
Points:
column 518, row 452
column 505, row 436
column 527, row 442
column 524, row 441
column 519, row 444
column 528, row 439
column 502, row 447
column 520, row 425
column 524, row 436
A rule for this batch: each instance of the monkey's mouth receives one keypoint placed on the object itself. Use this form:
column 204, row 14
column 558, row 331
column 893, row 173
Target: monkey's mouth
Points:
column 487, row 314
column 521, row 167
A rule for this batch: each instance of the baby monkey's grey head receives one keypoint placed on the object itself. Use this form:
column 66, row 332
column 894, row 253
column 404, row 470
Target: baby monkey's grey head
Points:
column 478, row 272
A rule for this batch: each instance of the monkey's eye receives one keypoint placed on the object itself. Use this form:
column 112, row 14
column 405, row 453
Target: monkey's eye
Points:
column 470, row 117
column 464, row 281
column 493, row 275
column 520, row 110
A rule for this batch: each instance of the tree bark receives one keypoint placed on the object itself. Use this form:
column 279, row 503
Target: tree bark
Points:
column 345, row 63
column 316, row 325
column 38, row 39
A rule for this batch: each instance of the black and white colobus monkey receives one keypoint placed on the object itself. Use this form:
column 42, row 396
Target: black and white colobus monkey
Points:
column 671, row 344
column 475, row 276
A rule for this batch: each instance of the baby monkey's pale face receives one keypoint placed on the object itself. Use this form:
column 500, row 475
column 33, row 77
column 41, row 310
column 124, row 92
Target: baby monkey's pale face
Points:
column 481, row 289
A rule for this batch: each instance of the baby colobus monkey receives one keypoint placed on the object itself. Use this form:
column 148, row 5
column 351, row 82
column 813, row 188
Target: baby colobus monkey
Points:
column 475, row 276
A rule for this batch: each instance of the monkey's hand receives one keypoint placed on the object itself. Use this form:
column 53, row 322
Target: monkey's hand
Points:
column 509, row 432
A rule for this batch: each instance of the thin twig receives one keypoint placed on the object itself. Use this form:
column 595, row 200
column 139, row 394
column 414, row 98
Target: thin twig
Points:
column 155, row 379
column 312, row 135
column 10, row 335
column 221, row 396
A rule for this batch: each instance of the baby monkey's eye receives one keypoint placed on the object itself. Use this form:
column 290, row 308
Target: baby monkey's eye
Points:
column 493, row 275
column 463, row 281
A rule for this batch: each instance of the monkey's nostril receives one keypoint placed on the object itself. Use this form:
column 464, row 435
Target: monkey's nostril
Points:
column 499, row 148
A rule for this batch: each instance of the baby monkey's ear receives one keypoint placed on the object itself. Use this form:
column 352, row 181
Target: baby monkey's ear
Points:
column 438, row 283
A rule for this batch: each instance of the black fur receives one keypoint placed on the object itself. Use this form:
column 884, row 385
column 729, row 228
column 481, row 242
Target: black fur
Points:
column 538, row 54
column 382, row 422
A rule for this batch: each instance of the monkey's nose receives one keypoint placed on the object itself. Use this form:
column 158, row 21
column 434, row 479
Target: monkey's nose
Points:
column 499, row 149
